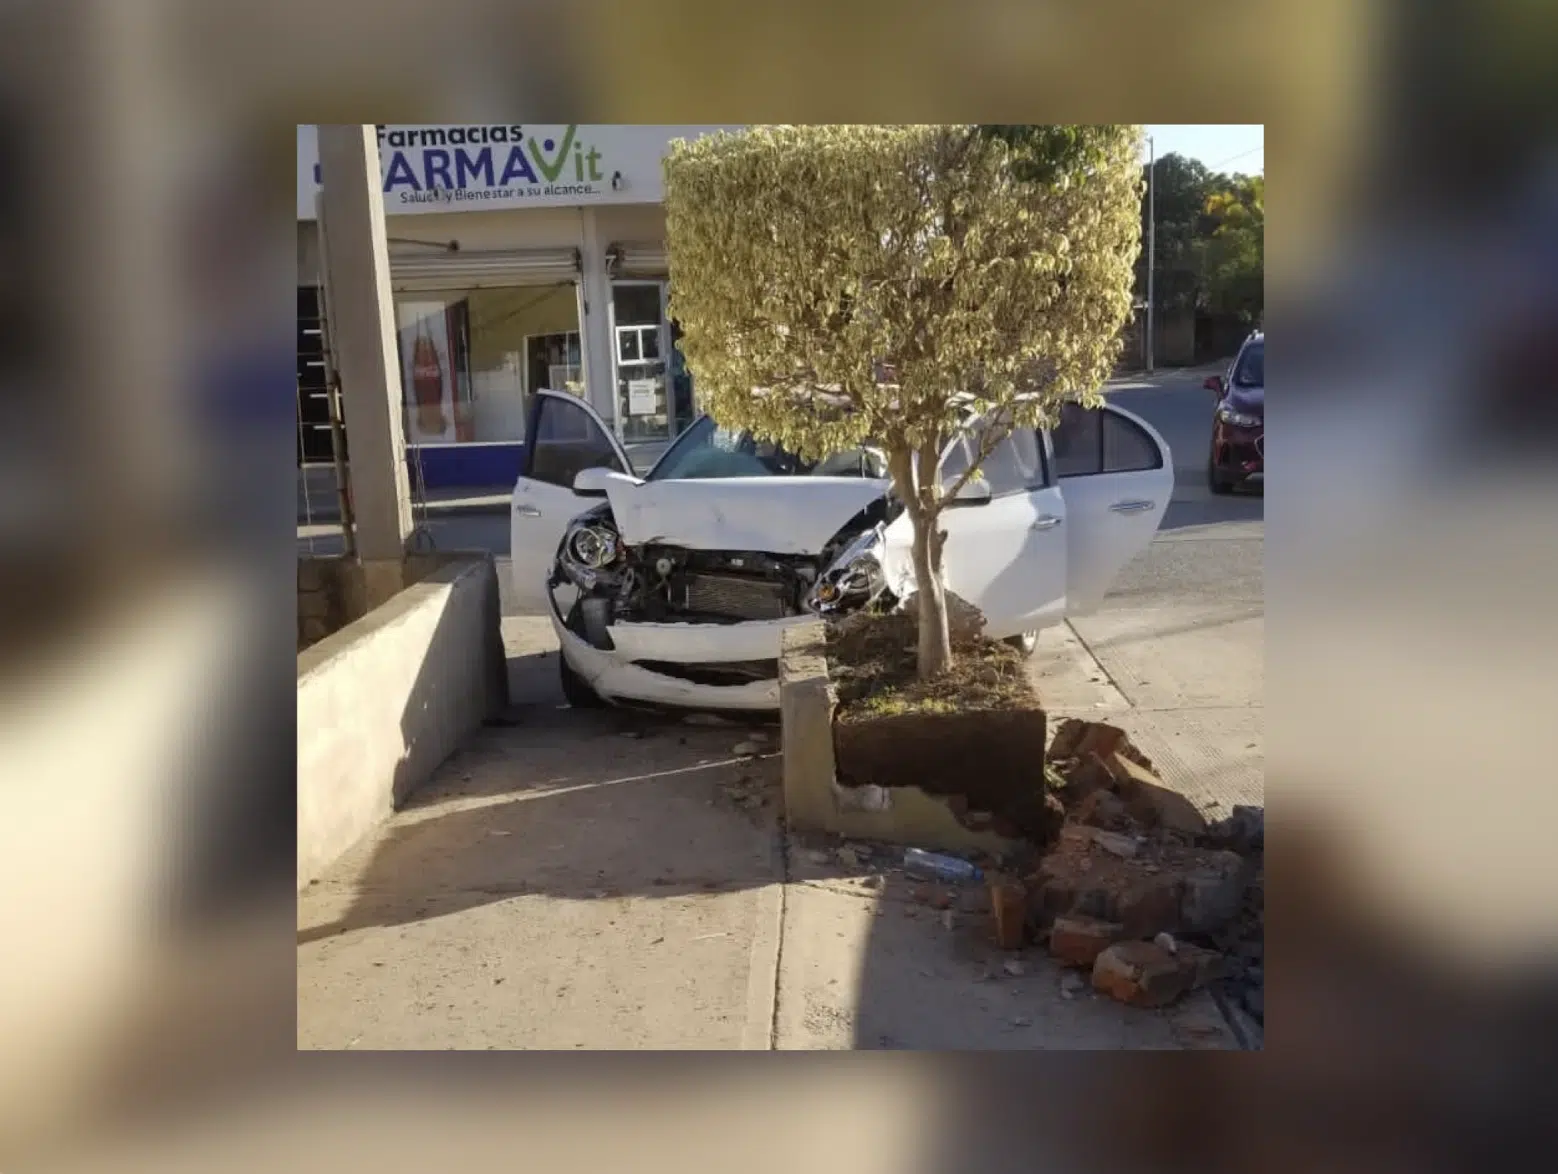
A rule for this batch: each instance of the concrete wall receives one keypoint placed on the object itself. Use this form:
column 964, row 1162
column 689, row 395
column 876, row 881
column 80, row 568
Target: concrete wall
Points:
column 384, row 700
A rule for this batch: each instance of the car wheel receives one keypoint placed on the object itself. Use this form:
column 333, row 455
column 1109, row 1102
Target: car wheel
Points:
column 1215, row 483
column 1024, row 643
column 576, row 690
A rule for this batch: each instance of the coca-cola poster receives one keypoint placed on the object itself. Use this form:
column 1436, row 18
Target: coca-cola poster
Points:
column 427, row 373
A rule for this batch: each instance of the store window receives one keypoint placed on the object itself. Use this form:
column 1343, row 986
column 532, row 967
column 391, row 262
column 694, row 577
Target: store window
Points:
column 645, row 412
column 470, row 360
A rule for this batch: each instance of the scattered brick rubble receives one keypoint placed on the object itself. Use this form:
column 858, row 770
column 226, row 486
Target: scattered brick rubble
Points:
column 1138, row 889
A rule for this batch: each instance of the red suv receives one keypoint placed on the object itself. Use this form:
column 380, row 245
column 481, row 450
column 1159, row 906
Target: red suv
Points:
column 1239, row 424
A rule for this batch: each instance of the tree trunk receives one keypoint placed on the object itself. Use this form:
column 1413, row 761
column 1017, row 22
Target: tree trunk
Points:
column 935, row 652
column 935, row 642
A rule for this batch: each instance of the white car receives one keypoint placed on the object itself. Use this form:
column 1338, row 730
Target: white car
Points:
column 674, row 589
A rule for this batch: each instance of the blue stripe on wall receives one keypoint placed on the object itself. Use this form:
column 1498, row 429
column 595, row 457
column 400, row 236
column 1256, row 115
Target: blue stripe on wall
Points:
column 467, row 466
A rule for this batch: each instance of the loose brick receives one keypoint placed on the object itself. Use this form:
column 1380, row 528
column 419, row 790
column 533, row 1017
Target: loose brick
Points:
column 1080, row 837
column 1204, row 965
column 1147, row 798
column 1101, row 809
column 1077, row 941
column 1101, row 739
column 1008, row 906
column 1214, row 893
column 1068, row 736
column 1140, row 975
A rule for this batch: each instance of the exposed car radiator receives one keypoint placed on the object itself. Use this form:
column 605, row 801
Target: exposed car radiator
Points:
column 741, row 597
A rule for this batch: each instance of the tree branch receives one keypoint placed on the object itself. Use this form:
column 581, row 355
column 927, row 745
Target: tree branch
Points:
column 989, row 438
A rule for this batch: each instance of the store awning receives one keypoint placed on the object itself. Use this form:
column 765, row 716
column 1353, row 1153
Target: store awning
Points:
column 637, row 259
column 478, row 268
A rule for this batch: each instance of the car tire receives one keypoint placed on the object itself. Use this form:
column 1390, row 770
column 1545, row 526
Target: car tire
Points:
column 1025, row 643
column 1215, row 483
column 576, row 690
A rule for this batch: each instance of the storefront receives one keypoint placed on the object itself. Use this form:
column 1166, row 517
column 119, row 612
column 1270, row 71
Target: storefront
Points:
column 522, row 257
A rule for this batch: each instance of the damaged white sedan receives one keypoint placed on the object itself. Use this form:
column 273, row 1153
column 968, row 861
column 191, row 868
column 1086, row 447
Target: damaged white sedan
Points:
column 674, row 589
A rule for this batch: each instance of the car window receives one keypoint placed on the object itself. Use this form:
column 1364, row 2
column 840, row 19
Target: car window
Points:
column 1127, row 447
column 1089, row 441
column 706, row 451
column 1251, row 369
column 1078, row 441
column 1015, row 465
column 566, row 440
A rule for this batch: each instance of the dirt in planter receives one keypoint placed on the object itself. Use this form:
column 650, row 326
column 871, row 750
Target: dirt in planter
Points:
column 872, row 659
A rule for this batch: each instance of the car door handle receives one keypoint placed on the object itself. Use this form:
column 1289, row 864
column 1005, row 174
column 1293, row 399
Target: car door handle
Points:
column 1133, row 507
column 527, row 511
column 1047, row 522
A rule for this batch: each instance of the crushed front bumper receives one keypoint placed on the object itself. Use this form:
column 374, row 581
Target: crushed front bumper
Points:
column 617, row 676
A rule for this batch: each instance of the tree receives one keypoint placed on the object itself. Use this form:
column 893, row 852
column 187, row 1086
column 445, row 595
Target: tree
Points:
column 1182, row 186
column 838, row 284
column 1235, row 261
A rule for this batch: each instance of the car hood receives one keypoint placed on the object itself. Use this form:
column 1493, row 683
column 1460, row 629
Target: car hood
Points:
column 1249, row 400
column 777, row 515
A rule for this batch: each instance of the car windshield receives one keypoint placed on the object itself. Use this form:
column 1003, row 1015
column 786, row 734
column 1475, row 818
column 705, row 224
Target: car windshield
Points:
column 706, row 451
column 1251, row 371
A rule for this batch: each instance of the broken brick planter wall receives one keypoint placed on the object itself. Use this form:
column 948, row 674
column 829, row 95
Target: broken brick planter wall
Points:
column 987, row 764
column 386, row 698
column 918, row 779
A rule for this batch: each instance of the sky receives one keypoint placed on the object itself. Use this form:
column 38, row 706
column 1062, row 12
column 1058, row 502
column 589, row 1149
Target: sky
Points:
column 1230, row 148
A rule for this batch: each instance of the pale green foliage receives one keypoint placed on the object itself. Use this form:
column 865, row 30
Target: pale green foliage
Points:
column 913, row 274
column 972, row 263
column 1236, row 251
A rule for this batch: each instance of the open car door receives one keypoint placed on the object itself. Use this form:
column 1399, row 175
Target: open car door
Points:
column 563, row 436
column 1116, row 474
column 1006, row 541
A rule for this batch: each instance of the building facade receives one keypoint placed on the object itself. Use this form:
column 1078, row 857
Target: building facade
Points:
column 522, row 257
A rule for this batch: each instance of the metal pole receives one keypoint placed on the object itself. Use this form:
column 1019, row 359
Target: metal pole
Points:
column 1152, row 242
column 343, row 490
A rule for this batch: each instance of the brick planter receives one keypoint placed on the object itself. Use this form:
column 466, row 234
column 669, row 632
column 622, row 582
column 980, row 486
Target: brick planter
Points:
column 983, row 761
column 966, row 782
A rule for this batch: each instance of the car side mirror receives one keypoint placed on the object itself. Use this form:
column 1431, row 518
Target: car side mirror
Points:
column 975, row 491
column 1214, row 383
column 592, row 482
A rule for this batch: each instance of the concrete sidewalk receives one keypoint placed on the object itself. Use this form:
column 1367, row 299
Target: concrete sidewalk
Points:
column 599, row 880
column 558, row 886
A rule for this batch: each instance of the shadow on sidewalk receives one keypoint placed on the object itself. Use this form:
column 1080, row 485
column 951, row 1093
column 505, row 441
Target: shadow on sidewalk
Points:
column 574, row 804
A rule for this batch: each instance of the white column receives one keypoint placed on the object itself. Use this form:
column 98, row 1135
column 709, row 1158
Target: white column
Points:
column 366, row 351
column 595, row 329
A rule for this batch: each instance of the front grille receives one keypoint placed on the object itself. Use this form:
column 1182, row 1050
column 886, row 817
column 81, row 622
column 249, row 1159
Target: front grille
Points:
column 741, row 597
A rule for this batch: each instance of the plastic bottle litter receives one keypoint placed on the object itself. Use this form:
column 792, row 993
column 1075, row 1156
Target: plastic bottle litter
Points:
column 934, row 864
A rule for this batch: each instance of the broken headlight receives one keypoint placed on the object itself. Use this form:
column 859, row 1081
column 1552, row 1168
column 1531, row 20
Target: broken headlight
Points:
column 593, row 545
column 852, row 580
column 589, row 547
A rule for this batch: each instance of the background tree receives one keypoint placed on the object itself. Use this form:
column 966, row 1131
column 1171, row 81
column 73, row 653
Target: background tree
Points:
column 1211, row 253
column 1183, row 186
column 838, row 284
column 1235, row 256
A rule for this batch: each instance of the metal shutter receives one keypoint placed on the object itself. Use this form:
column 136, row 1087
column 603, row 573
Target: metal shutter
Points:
column 476, row 268
column 638, row 259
